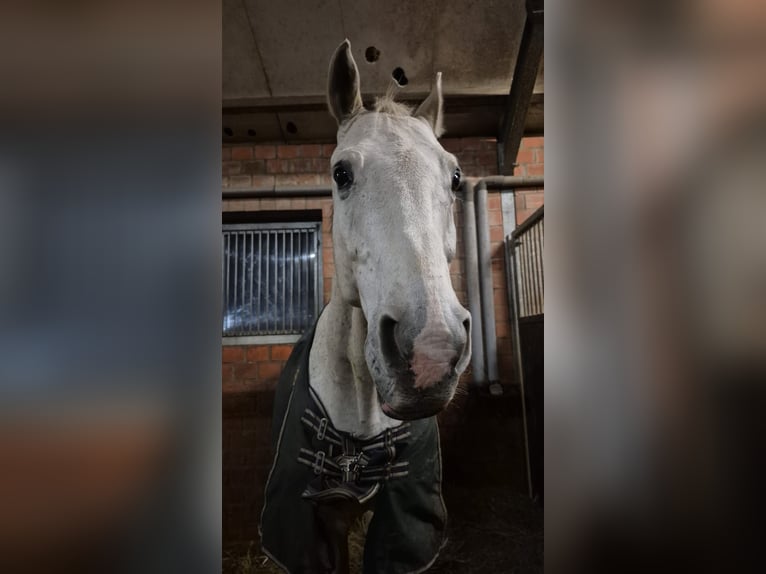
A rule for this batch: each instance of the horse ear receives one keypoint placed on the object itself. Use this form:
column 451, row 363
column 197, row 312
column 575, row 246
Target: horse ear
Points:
column 432, row 108
column 343, row 95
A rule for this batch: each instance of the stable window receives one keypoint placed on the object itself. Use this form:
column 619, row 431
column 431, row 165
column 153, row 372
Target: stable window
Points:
column 272, row 280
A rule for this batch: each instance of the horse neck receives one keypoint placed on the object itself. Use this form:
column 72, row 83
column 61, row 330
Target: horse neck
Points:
column 338, row 371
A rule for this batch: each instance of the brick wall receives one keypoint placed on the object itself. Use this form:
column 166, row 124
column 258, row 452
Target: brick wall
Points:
column 250, row 373
column 530, row 160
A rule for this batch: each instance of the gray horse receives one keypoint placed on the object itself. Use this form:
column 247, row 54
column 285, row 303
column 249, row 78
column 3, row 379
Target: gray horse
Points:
column 354, row 413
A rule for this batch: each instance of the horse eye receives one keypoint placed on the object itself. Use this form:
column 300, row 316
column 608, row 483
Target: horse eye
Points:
column 342, row 176
column 456, row 180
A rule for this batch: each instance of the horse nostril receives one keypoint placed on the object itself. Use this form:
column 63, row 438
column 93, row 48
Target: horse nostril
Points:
column 388, row 345
column 467, row 328
column 466, row 340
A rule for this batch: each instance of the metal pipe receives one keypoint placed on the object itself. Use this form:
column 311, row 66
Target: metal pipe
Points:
column 493, row 183
column 485, row 281
column 498, row 182
column 472, row 285
column 274, row 192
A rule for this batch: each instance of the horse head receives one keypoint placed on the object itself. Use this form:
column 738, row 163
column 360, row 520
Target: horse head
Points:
column 393, row 239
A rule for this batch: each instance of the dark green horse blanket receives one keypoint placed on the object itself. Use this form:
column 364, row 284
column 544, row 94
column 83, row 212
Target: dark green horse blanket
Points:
column 320, row 472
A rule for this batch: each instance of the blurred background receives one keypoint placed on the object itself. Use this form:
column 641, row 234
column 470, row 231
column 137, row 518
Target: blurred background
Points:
column 109, row 298
column 655, row 267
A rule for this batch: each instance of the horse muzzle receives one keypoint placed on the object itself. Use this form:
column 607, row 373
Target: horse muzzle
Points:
column 423, row 364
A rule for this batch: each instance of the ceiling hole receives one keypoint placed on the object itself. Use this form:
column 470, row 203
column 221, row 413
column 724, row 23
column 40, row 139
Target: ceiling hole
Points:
column 251, row 133
column 228, row 132
column 398, row 75
column 291, row 128
column 372, row 54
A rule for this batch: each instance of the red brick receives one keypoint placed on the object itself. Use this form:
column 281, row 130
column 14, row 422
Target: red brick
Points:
column 227, row 373
column 287, row 151
column 269, row 371
column 265, row 151
column 504, row 346
column 327, row 254
column 293, row 165
column 242, row 152
column 240, row 181
column 233, row 204
column 486, row 171
column 496, row 217
column 297, row 179
column 328, row 149
column 522, row 215
column 311, row 150
column 500, row 298
column 534, row 201
column 226, row 154
column 496, row 233
column 281, row 352
column 233, row 354
column 471, row 144
column 231, row 168
column 525, row 156
column 498, row 279
column 486, row 159
column 494, row 203
column 236, row 387
column 540, row 156
column 255, row 167
column 502, row 329
column 273, row 166
column 245, row 371
column 312, row 165
column 535, row 169
column 263, row 181
column 452, row 145
column 257, row 354
column 533, row 142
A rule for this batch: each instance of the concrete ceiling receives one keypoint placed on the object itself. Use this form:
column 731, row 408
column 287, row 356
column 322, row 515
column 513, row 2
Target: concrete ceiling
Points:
column 276, row 56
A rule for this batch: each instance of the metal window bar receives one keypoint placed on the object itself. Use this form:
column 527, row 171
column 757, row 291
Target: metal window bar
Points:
column 274, row 287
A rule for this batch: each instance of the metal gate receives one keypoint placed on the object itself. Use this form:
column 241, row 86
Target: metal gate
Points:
column 526, row 298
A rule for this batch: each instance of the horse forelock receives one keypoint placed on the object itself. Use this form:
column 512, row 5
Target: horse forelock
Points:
column 388, row 105
column 385, row 104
